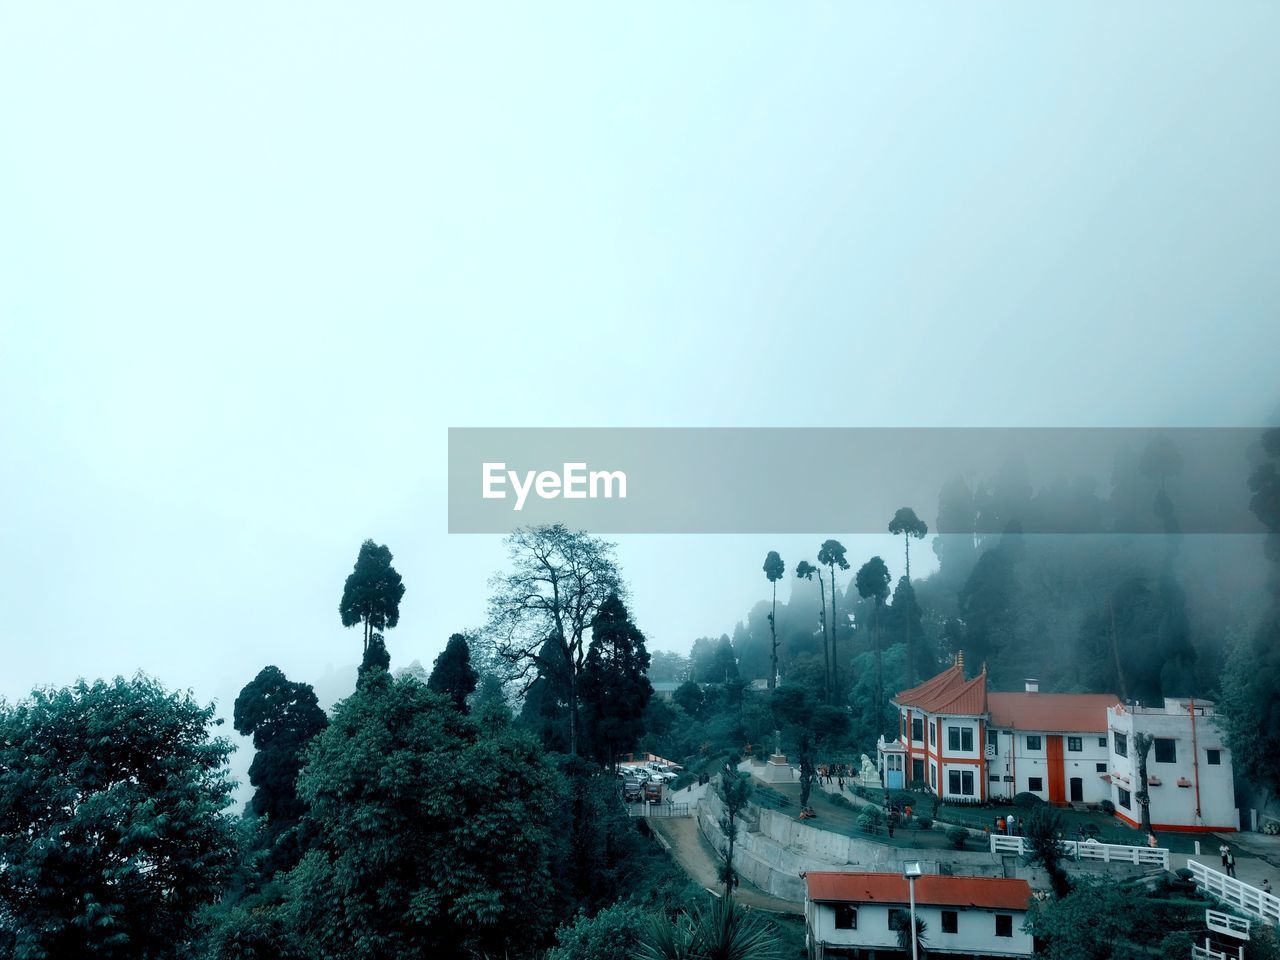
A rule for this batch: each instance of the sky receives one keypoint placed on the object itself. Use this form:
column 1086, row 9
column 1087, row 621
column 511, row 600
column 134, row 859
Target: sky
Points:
column 256, row 259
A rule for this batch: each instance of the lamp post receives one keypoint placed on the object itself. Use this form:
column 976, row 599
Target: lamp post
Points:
column 911, row 870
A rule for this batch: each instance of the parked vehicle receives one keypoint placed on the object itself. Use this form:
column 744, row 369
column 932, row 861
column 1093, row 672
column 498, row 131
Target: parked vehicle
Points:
column 632, row 790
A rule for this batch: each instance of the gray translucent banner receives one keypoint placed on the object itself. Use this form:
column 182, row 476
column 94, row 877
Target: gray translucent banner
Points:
column 827, row 481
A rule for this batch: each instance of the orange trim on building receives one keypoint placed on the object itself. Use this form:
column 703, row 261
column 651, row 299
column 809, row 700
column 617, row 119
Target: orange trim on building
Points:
column 1177, row 827
column 1057, row 768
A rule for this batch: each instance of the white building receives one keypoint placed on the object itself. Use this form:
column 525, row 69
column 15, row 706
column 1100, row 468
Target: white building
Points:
column 852, row 915
column 1189, row 774
column 971, row 745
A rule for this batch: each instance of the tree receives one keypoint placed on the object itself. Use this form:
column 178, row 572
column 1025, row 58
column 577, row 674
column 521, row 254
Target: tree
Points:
column 612, row 934
column 831, row 555
column 372, row 593
column 1042, row 829
column 689, row 696
column 434, row 833
column 735, row 792
column 375, row 657
column 808, row 771
column 902, row 926
column 559, row 579
column 112, row 833
column 615, row 688
column 805, row 571
column 773, row 571
column 282, row 717
column 906, row 522
column 872, row 581
column 720, row 930
column 452, row 675
column 1142, row 744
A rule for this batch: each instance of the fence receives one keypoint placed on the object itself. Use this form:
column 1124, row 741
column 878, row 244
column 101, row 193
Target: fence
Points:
column 1208, row 953
column 1101, row 852
column 1226, row 923
column 658, row 810
column 1251, row 900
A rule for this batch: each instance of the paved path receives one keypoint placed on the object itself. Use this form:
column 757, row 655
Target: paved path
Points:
column 701, row 862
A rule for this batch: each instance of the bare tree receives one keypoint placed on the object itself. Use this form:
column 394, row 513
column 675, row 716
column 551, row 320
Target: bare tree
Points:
column 541, row 611
column 1142, row 743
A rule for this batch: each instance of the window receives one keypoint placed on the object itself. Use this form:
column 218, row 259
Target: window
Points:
column 1102, row 741
column 917, row 730
column 966, row 738
column 1004, row 925
column 953, row 781
column 993, row 777
column 1100, row 767
column 966, row 783
column 897, row 918
column 960, row 738
column 993, row 737
column 953, row 738
column 1166, row 750
column 1214, row 757
column 933, row 734
column 950, row 921
column 1035, row 783
column 933, row 776
column 1075, row 744
column 846, row 917
column 1033, row 742
column 1124, row 797
column 1122, row 745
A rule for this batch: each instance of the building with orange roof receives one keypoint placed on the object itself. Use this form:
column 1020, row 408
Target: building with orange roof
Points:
column 969, row 744
column 850, row 914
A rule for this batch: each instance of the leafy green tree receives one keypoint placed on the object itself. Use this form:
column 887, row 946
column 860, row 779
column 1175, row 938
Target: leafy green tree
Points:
column 906, row 522
column 774, row 568
column 452, row 675
column 112, row 831
column 735, row 791
column 282, row 716
column 615, row 688
column 612, row 934
column 434, row 833
column 666, row 665
column 689, row 697
column 372, row 593
column 831, row 555
column 1042, row 830
column 541, row 610
column 872, row 582
column 808, row 767
column 805, row 571
column 375, row 657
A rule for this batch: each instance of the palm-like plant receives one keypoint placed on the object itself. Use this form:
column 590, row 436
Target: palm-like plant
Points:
column 906, row 522
column 902, row 924
column 721, row 930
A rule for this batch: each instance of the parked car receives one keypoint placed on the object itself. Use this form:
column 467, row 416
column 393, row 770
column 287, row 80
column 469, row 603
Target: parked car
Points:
column 632, row 790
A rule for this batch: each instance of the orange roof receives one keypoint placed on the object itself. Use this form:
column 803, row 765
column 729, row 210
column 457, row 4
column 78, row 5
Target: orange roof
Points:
column 992, row 893
column 949, row 692
column 1051, row 712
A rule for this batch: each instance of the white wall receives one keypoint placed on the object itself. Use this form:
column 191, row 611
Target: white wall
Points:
column 1170, row 803
column 975, row 930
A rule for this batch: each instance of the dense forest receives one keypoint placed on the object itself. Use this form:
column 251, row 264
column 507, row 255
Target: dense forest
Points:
column 472, row 810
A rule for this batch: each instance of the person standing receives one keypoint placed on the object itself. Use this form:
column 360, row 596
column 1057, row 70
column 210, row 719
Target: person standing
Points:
column 1231, row 864
column 1223, row 850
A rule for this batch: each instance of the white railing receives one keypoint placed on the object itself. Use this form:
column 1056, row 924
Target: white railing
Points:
column 1101, row 852
column 1208, row 953
column 1227, row 923
column 1251, row 900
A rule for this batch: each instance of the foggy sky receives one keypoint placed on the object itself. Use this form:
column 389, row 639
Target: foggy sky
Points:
column 255, row 262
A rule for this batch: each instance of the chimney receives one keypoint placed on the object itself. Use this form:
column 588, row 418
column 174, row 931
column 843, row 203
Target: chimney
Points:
column 1033, row 685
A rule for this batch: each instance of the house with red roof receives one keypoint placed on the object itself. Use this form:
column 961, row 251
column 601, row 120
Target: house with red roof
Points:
column 969, row 744
column 857, row 915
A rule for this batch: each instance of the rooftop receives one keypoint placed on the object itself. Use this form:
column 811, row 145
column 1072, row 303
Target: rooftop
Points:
column 990, row 893
column 949, row 692
column 1051, row 712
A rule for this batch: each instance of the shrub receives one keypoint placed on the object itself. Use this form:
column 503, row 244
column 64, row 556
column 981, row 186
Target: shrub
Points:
column 1184, row 873
column 839, row 799
column 1027, row 800
column 958, row 836
column 870, row 820
column 1176, row 944
column 1108, row 808
column 924, row 823
column 899, row 800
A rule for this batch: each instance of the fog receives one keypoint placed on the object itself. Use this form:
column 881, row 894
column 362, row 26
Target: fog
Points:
column 252, row 267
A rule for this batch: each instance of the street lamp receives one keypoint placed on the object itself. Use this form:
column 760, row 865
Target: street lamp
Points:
column 911, row 870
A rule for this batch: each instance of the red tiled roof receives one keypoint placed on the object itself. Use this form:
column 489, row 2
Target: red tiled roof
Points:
column 1051, row 712
column 992, row 893
column 949, row 692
